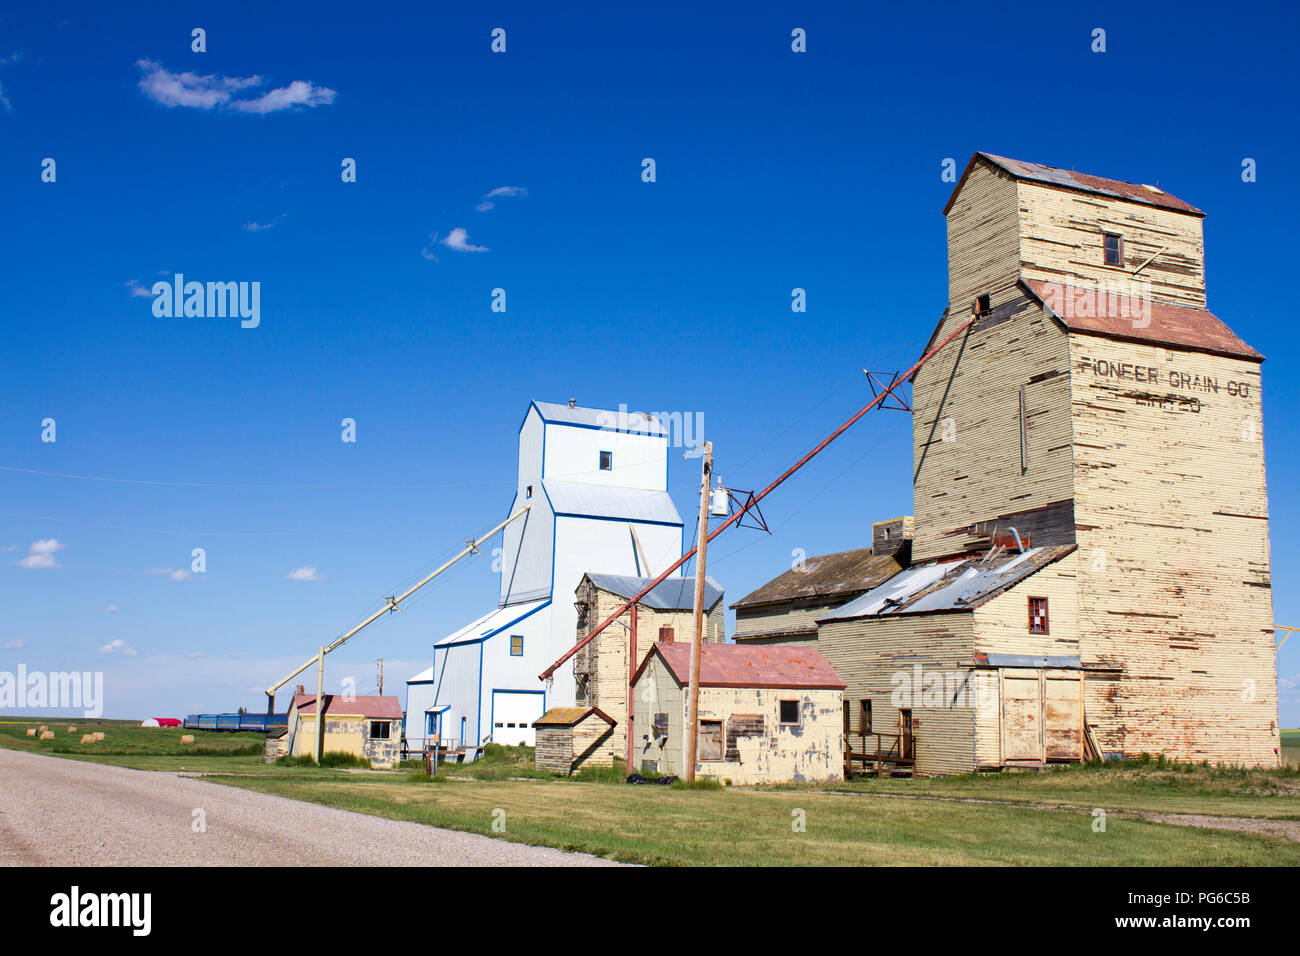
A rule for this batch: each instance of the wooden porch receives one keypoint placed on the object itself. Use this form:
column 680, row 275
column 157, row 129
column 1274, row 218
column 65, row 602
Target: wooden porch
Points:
column 875, row 754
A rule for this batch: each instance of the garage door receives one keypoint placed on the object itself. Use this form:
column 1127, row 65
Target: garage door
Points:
column 1021, row 718
column 513, row 713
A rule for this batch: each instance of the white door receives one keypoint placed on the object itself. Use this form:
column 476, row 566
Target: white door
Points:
column 513, row 713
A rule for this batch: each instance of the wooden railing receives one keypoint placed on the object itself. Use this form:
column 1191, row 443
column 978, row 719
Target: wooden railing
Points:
column 898, row 750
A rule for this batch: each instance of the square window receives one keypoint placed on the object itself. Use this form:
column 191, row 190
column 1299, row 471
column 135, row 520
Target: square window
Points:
column 516, row 645
column 1038, row 615
column 528, row 492
column 606, row 460
column 1114, row 247
column 710, row 740
column 379, row 729
column 789, row 712
column 866, row 717
column 982, row 305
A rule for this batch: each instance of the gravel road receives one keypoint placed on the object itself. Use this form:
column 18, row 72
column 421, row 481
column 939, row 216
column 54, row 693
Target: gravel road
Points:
column 68, row 812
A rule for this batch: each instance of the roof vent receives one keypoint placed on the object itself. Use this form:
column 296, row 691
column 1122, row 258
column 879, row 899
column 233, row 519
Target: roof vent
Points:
column 1154, row 189
column 573, row 403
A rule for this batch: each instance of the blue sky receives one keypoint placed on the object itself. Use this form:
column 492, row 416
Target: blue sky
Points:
column 774, row 170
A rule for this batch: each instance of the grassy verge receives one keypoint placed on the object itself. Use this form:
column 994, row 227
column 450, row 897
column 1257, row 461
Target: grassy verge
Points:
column 126, row 744
column 1273, row 794
column 667, row 826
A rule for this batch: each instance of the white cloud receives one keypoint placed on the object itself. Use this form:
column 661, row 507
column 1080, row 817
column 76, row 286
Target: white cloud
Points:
column 304, row 574
column 458, row 239
column 176, row 574
column 297, row 93
column 120, row 646
column 41, row 554
column 110, row 609
column 263, row 226
column 137, row 290
column 501, row 192
column 16, row 645
column 209, row 91
column 195, row 654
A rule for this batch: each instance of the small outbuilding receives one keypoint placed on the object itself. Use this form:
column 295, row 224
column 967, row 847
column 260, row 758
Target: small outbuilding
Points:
column 572, row 737
column 369, row 727
column 768, row 714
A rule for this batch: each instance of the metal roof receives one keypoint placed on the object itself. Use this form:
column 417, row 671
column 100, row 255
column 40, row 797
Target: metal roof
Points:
column 672, row 594
column 1037, row 172
column 492, row 623
column 424, row 677
column 585, row 500
column 600, row 418
column 843, row 574
column 959, row 584
column 1142, row 320
column 570, row 716
column 388, row 708
column 749, row 665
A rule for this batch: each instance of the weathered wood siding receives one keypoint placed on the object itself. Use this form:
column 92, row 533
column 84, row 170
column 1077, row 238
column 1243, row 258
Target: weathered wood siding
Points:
column 973, row 470
column 776, row 617
column 1061, row 241
column 1174, row 578
column 1002, row 623
column 983, row 239
column 568, row 749
column 877, row 657
column 661, row 714
column 554, row 749
column 604, row 661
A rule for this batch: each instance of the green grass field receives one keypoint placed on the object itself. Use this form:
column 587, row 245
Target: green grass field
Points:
column 993, row 819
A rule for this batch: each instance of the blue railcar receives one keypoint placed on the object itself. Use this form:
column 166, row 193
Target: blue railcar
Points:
column 262, row 723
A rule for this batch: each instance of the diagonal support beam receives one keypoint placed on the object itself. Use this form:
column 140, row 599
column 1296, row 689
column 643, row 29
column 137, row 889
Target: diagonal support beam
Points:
column 755, row 499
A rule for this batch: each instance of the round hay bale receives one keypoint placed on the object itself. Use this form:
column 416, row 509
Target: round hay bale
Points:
column 72, row 730
column 87, row 738
column 31, row 731
column 189, row 738
column 99, row 734
column 49, row 734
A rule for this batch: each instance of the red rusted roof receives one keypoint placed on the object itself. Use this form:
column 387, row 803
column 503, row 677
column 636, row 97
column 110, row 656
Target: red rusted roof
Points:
column 1140, row 319
column 1068, row 178
column 747, row 665
column 374, row 708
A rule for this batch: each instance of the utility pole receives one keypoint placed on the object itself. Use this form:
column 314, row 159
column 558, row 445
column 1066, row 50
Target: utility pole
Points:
column 381, row 677
column 697, row 638
column 320, row 706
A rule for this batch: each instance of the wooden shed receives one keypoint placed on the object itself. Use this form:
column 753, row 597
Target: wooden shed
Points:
column 572, row 737
column 768, row 714
column 369, row 727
